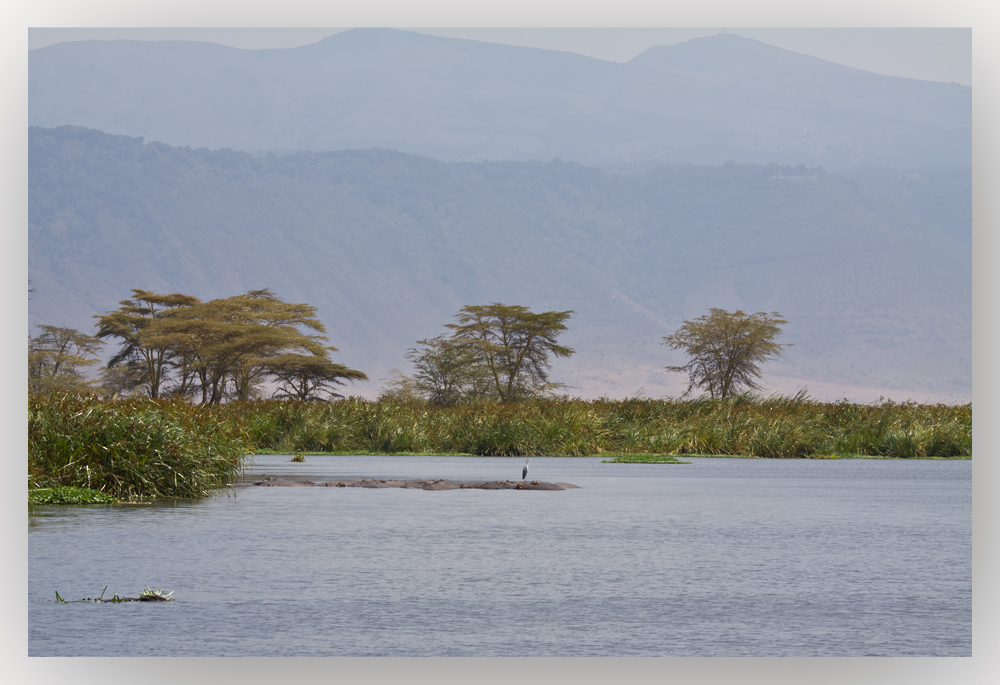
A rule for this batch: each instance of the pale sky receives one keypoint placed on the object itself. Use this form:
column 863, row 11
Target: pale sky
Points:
column 934, row 54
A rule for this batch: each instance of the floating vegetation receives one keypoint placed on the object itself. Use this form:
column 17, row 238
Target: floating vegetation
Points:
column 645, row 458
column 147, row 595
column 68, row 494
column 298, row 457
column 157, row 595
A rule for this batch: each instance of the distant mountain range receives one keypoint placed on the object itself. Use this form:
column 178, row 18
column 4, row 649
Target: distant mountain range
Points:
column 705, row 101
column 390, row 177
column 872, row 268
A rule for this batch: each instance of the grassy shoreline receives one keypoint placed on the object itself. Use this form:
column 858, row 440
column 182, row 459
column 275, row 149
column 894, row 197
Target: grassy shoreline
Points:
column 609, row 457
column 141, row 449
column 758, row 427
column 133, row 450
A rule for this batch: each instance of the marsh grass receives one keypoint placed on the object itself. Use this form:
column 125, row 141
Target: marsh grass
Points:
column 745, row 425
column 137, row 450
column 131, row 450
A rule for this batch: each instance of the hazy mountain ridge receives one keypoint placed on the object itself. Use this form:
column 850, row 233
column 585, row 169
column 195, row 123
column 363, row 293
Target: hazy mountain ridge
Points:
column 389, row 246
column 705, row 101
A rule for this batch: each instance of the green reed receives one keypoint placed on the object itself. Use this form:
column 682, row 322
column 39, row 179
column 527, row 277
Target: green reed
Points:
column 141, row 449
column 132, row 450
column 775, row 427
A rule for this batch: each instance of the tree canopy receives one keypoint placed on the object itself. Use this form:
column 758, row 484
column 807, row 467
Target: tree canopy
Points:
column 726, row 349
column 146, row 360
column 56, row 359
column 496, row 351
column 309, row 376
column 446, row 372
column 226, row 348
column 511, row 345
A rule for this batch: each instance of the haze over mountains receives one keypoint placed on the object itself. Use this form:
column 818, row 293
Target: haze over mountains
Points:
column 705, row 101
column 870, row 264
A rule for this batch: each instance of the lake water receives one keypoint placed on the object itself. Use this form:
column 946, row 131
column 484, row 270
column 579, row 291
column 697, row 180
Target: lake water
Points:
column 721, row 557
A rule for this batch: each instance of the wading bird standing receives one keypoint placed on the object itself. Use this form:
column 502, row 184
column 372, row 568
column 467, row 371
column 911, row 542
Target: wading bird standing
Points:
column 524, row 471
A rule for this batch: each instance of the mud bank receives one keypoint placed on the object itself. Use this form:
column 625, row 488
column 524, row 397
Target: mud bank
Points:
column 415, row 484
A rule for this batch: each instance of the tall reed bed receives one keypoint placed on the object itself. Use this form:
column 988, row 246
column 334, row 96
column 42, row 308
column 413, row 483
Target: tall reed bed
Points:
column 779, row 427
column 141, row 449
column 133, row 450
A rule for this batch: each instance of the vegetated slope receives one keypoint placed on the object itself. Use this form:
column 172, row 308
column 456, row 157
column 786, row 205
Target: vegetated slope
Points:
column 389, row 246
column 705, row 101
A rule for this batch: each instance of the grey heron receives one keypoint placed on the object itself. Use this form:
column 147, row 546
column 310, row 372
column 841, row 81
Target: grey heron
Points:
column 524, row 471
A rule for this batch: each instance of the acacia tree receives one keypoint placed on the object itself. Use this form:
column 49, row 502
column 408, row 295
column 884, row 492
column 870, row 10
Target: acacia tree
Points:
column 726, row 349
column 310, row 376
column 512, row 345
column 259, row 326
column 400, row 388
column 123, row 380
column 207, row 347
column 143, row 356
column 447, row 372
column 232, row 345
column 56, row 357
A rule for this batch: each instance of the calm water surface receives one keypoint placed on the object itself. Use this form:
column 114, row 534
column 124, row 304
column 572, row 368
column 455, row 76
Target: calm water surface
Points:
column 722, row 557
